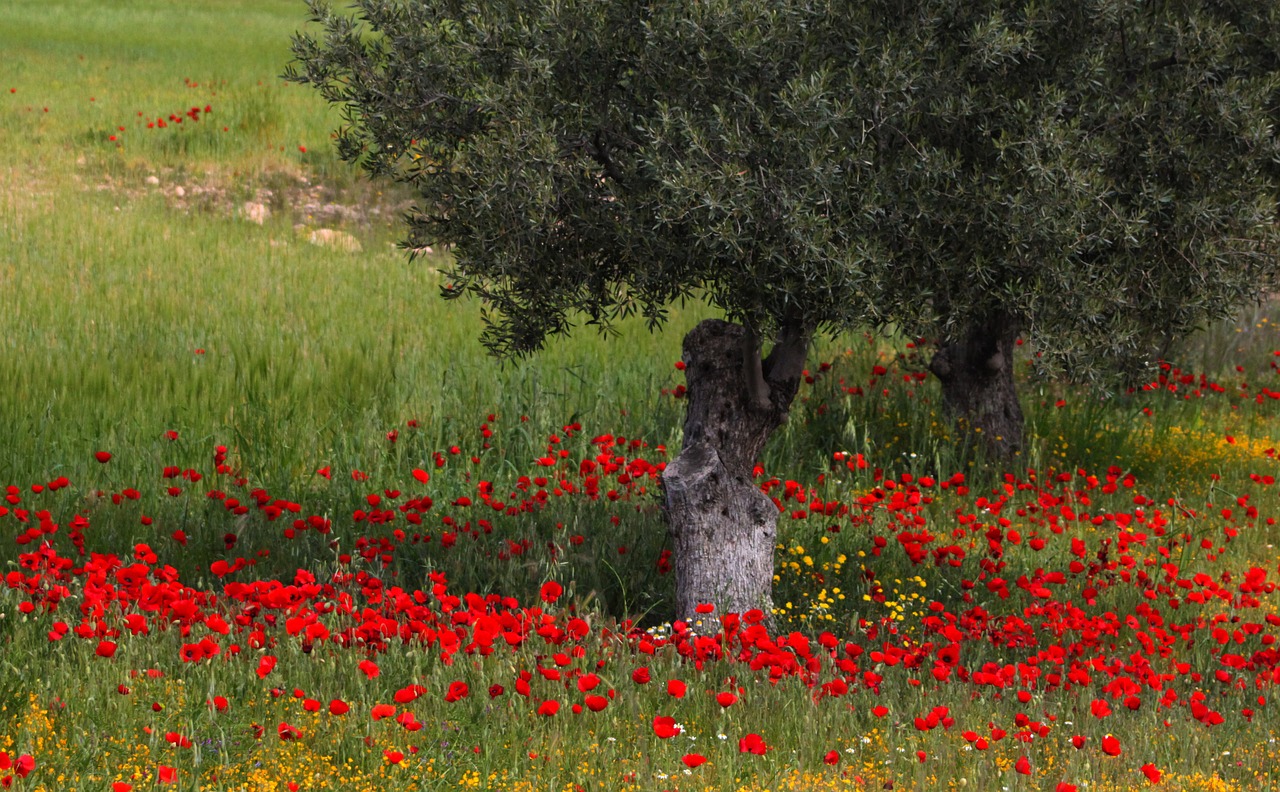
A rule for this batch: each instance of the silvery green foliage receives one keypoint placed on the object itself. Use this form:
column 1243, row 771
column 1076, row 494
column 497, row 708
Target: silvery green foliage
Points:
column 1102, row 172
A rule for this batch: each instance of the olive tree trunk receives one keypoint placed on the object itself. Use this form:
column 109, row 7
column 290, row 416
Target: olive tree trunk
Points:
column 723, row 528
column 978, row 391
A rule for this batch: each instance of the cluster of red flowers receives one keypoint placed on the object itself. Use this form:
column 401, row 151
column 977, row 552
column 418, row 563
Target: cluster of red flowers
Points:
column 1033, row 572
column 192, row 114
column 1048, row 623
column 10, row 767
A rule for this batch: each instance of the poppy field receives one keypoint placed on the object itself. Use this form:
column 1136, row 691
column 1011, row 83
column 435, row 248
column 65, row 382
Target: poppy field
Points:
column 270, row 519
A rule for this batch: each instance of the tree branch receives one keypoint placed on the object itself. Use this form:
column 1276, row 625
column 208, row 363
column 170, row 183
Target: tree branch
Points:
column 790, row 351
column 600, row 152
column 1163, row 63
column 753, row 372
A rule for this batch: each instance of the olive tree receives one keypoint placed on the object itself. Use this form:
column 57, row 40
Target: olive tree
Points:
column 1094, row 175
column 1098, row 178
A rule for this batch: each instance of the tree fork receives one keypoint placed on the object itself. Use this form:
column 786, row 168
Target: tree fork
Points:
column 976, row 372
column 723, row 528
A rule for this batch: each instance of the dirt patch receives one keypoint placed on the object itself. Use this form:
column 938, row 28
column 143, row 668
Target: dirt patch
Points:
column 296, row 198
column 26, row 192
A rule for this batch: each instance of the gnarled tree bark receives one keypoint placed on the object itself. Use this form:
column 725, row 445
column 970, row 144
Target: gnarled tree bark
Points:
column 976, row 372
column 723, row 528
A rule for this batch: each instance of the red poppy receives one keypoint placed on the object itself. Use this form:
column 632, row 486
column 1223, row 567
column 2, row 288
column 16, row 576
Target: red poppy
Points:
column 832, row 757
column 726, row 699
column 880, row 711
column 409, row 721
column 1100, row 708
column 369, row 668
column 381, row 711
column 393, row 757
column 421, row 475
column 693, row 760
column 1110, row 746
column 338, row 707
column 103, row 456
column 1023, row 765
column 168, row 775
column 753, row 744
column 457, row 690
column 265, row 665
column 288, row 732
column 548, row 708
column 1063, row 786
column 410, row 693
column 551, row 591
column 120, row 786
column 665, row 726
column 1151, row 772
column 177, row 739
column 1078, row 741
column 106, row 649
column 676, row 688
column 640, row 676
column 596, row 703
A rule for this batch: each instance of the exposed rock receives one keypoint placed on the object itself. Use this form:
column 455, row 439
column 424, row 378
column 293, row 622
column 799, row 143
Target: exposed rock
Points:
column 306, row 204
column 328, row 237
column 255, row 212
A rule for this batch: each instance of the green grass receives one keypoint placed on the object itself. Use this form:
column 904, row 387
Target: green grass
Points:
column 113, row 284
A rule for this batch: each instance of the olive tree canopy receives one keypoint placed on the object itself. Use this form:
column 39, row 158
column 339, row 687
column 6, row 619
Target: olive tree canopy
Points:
column 1097, row 176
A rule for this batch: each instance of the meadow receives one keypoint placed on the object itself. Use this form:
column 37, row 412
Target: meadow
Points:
column 271, row 519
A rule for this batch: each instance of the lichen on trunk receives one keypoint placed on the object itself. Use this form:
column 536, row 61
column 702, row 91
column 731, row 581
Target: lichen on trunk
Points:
column 723, row 528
